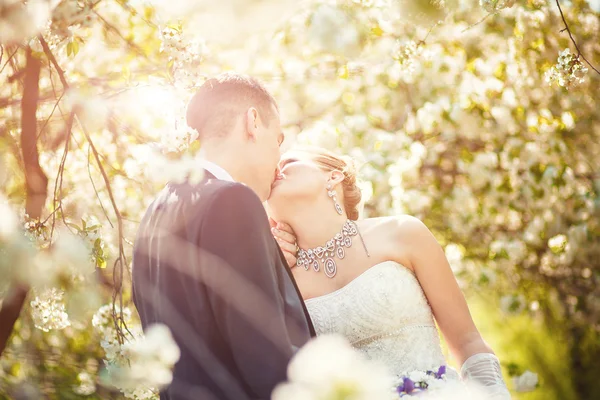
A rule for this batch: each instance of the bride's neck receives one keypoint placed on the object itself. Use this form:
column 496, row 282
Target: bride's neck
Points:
column 316, row 226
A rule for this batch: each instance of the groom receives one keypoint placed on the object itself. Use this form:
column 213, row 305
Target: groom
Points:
column 205, row 263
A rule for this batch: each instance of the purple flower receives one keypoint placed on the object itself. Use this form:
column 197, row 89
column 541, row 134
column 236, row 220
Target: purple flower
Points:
column 412, row 388
column 409, row 385
column 441, row 372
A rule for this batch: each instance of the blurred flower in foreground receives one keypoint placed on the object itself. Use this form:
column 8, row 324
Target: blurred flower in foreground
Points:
column 160, row 168
column 569, row 71
column 145, row 365
column 16, row 251
column 152, row 357
column 20, row 20
column 9, row 223
column 526, row 382
column 65, row 262
column 329, row 368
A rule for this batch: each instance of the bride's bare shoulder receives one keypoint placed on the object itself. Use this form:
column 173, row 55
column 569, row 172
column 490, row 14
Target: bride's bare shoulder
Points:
column 395, row 237
column 396, row 225
column 377, row 223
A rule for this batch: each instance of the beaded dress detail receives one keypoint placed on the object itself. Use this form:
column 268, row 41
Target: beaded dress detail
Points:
column 384, row 314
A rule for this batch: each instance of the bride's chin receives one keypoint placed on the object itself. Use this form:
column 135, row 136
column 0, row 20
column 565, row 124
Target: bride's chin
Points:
column 272, row 195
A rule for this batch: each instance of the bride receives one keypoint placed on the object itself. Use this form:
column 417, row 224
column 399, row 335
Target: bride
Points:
column 383, row 283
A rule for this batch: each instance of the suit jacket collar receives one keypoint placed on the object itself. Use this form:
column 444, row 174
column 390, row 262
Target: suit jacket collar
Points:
column 217, row 171
column 288, row 270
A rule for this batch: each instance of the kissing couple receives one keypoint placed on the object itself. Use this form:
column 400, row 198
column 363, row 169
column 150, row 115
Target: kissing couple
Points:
column 243, row 285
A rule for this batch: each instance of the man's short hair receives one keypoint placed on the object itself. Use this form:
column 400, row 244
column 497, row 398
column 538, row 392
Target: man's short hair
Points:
column 214, row 109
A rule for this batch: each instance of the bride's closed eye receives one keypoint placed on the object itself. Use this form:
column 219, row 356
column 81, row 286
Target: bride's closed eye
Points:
column 286, row 162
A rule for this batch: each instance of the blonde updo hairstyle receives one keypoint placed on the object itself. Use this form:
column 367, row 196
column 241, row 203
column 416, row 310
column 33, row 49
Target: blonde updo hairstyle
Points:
column 329, row 161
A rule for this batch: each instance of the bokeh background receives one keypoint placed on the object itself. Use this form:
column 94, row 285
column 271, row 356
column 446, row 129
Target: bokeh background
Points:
column 478, row 117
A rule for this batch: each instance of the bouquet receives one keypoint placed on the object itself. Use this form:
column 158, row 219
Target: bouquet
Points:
column 416, row 382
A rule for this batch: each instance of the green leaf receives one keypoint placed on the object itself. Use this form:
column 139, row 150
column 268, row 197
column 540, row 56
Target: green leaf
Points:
column 72, row 225
column 75, row 47
column 69, row 49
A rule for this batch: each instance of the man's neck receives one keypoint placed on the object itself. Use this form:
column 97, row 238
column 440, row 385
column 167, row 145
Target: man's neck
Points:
column 226, row 161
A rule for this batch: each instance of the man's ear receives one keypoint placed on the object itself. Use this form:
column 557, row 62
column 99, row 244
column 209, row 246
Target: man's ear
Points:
column 336, row 177
column 252, row 120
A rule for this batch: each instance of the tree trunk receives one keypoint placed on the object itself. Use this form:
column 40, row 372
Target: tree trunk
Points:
column 36, row 183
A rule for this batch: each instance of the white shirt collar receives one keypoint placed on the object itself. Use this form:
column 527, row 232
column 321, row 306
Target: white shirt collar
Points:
column 217, row 171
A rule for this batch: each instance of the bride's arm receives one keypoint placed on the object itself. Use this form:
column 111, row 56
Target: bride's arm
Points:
column 448, row 304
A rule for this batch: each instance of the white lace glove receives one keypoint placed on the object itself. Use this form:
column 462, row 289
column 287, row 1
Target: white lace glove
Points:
column 484, row 369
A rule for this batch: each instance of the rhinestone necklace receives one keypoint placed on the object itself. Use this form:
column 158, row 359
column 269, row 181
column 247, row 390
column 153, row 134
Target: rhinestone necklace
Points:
column 333, row 248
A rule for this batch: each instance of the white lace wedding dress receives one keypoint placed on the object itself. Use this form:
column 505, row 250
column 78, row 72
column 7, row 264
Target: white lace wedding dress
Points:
column 384, row 314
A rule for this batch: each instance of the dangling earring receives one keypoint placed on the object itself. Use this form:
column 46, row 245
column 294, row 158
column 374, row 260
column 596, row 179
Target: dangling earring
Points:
column 331, row 193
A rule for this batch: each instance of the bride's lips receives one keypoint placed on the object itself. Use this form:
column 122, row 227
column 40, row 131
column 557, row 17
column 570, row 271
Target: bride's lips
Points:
column 277, row 181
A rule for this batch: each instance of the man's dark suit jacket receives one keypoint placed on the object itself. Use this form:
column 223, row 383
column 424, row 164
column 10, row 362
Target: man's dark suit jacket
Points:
column 206, row 265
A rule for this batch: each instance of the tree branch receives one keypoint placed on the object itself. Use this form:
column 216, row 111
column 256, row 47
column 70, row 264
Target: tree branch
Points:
column 35, row 178
column 51, row 114
column 8, row 60
column 117, row 32
column 9, row 102
column 59, row 176
column 424, row 40
column 579, row 54
column 89, row 169
column 480, row 21
column 48, row 52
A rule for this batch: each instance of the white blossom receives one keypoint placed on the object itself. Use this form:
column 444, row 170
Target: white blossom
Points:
column 48, row 310
column 86, row 384
column 146, row 364
column 328, row 366
column 526, row 382
column 20, row 20
column 569, row 71
column 557, row 243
